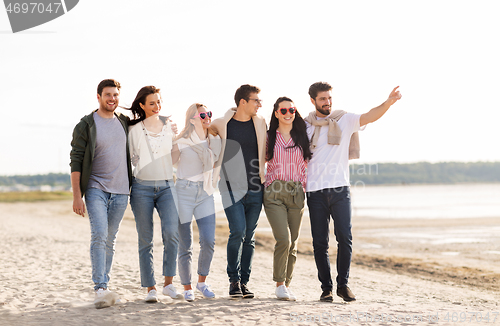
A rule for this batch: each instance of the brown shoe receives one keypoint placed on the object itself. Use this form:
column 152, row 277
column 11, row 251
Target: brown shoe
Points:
column 247, row 294
column 326, row 296
column 235, row 290
column 345, row 293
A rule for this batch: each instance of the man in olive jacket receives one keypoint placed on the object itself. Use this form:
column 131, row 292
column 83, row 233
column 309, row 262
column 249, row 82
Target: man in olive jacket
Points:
column 101, row 171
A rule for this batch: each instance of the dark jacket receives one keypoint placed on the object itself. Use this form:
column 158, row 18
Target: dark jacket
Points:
column 83, row 147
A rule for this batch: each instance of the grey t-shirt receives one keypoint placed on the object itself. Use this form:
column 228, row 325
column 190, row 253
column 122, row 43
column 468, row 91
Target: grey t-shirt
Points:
column 109, row 167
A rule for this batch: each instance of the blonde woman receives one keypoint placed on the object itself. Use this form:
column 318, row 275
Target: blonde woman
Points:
column 197, row 150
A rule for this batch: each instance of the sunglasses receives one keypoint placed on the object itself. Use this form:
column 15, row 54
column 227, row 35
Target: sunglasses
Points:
column 203, row 115
column 291, row 110
column 259, row 101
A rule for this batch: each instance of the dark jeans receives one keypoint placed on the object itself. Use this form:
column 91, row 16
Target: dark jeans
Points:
column 323, row 204
column 242, row 217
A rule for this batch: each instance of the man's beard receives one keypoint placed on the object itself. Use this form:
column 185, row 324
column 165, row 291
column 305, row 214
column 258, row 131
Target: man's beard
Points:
column 323, row 111
column 105, row 107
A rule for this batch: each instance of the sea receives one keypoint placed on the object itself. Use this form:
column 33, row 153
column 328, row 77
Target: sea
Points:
column 426, row 201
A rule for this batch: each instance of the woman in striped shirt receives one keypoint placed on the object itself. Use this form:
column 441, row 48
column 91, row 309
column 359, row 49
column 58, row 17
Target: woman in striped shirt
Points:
column 287, row 155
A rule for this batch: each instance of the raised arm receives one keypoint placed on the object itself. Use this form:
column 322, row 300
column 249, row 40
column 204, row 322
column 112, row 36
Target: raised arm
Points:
column 377, row 112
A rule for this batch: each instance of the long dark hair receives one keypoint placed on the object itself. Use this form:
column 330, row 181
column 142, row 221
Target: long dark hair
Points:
column 298, row 132
column 137, row 112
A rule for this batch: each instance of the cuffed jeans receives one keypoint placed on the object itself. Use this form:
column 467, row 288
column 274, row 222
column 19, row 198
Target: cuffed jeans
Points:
column 144, row 197
column 105, row 215
column 242, row 217
column 284, row 206
column 193, row 200
column 323, row 204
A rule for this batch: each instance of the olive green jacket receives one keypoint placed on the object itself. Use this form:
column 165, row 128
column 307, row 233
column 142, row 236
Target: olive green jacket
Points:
column 83, row 148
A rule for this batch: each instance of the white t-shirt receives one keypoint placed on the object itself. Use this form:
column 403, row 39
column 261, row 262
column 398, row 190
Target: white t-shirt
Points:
column 329, row 165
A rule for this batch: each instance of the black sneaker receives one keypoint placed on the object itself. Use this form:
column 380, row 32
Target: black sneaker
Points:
column 246, row 292
column 326, row 296
column 345, row 293
column 234, row 290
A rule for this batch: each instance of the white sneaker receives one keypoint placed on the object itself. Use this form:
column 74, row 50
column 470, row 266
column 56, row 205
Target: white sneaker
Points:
column 291, row 295
column 189, row 295
column 172, row 292
column 204, row 288
column 282, row 293
column 104, row 298
column 152, row 296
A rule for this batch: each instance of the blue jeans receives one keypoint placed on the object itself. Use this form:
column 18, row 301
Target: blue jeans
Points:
column 242, row 217
column 144, row 197
column 105, row 215
column 323, row 204
column 193, row 200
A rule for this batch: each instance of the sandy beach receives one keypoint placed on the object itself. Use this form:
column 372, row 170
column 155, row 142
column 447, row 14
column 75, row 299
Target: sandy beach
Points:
column 397, row 276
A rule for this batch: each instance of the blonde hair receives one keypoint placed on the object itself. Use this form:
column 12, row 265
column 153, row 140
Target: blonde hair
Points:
column 189, row 127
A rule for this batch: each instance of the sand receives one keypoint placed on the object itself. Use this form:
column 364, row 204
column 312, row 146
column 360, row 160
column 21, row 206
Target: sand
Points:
column 45, row 276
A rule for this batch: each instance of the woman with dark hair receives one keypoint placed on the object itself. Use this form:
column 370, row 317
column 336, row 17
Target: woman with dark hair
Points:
column 150, row 141
column 198, row 148
column 287, row 155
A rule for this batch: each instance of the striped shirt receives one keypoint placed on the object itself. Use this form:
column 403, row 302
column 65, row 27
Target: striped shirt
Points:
column 287, row 164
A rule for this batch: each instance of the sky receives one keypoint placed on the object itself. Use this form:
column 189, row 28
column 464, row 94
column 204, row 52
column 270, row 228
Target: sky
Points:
column 443, row 54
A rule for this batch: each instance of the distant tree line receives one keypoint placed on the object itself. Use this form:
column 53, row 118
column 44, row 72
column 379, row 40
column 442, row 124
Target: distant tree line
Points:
column 425, row 172
column 377, row 173
column 51, row 179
